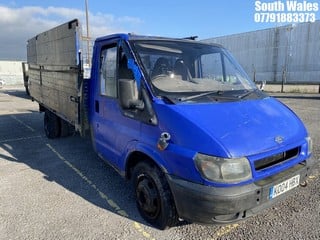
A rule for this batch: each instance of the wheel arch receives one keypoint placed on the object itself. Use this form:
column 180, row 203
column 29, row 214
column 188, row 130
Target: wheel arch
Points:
column 136, row 156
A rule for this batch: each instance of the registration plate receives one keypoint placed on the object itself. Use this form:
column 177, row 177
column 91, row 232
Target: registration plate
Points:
column 283, row 187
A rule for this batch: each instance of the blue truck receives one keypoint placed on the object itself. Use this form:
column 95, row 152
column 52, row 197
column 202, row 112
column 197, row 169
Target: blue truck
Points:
column 178, row 118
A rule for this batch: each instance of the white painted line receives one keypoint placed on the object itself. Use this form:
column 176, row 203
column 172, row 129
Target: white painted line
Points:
column 20, row 139
column 105, row 197
column 24, row 124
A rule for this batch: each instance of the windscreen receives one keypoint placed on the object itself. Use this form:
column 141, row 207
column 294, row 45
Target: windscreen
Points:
column 187, row 69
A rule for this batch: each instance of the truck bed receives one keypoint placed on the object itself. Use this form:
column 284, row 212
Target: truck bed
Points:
column 54, row 72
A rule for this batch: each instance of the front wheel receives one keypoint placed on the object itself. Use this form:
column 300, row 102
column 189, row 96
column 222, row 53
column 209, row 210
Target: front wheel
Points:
column 153, row 196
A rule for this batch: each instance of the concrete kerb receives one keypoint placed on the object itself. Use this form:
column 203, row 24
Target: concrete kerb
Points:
column 292, row 88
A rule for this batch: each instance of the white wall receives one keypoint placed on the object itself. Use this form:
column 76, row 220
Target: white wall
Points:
column 11, row 72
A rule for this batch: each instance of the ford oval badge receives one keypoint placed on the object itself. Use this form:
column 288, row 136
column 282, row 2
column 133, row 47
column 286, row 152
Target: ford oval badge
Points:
column 278, row 139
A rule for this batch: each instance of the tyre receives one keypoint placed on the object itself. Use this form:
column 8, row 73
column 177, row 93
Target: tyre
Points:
column 27, row 90
column 51, row 125
column 66, row 129
column 153, row 196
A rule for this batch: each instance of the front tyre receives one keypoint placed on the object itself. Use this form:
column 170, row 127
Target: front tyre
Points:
column 153, row 196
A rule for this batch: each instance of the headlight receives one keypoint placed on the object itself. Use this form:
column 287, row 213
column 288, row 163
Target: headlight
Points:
column 224, row 170
column 309, row 141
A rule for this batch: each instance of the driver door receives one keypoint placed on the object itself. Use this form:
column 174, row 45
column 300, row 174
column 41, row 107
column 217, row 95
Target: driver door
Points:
column 112, row 129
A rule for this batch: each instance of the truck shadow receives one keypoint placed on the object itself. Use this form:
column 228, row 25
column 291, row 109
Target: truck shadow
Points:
column 21, row 93
column 69, row 162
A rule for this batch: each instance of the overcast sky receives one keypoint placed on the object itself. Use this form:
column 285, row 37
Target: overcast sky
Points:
column 20, row 20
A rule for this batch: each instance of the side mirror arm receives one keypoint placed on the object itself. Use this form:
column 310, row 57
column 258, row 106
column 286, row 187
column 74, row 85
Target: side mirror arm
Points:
column 137, row 104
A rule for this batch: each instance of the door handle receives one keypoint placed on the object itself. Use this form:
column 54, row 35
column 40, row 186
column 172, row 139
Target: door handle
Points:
column 96, row 106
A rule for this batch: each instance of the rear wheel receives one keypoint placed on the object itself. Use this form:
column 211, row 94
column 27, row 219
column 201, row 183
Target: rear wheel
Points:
column 66, row 129
column 153, row 196
column 27, row 90
column 51, row 124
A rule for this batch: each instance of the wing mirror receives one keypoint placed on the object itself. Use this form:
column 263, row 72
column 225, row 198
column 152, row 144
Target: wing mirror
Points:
column 129, row 96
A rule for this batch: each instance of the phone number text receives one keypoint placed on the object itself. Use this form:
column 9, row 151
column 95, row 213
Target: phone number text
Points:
column 269, row 17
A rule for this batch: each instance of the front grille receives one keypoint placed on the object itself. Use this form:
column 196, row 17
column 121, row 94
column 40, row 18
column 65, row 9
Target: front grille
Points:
column 275, row 159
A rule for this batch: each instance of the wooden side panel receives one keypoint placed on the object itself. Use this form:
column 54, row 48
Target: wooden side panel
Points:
column 55, row 47
column 53, row 70
column 31, row 51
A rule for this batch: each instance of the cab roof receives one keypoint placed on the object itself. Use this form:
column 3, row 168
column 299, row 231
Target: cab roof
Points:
column 130, row 36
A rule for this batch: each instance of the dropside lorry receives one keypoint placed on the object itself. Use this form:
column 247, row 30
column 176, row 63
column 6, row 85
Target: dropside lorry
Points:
column 179, row 118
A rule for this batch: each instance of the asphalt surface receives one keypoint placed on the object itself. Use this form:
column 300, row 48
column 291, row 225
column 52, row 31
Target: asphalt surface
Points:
column 60, row 189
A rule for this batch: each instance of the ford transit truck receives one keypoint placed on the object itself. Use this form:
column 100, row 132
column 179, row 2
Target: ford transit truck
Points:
column 179, row 118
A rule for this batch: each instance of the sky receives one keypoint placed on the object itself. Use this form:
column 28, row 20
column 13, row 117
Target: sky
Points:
column 20, row 20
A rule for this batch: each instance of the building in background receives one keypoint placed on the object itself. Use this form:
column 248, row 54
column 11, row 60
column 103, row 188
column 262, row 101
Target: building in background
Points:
column 11, row 73
column 281, row 55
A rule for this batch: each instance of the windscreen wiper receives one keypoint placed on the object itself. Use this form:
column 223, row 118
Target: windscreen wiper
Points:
column 167, row 99
column 247, row 93
column 182, row 99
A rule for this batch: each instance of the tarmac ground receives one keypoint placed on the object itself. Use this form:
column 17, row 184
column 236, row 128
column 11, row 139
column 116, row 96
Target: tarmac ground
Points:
column 60, row 189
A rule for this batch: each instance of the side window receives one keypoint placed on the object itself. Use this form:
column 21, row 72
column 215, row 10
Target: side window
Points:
column 124, row 71
column 108, row 72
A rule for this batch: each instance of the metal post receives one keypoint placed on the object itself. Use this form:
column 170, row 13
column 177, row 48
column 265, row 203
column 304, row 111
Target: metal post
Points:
column 283, row 79
column 288, row 56
column 88, row 35
column 254, row 73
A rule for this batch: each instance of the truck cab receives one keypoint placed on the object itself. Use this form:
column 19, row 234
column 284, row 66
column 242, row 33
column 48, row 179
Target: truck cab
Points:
column 198, row 139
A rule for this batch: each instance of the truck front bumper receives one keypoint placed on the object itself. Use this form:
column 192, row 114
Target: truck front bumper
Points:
column 209, row 205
